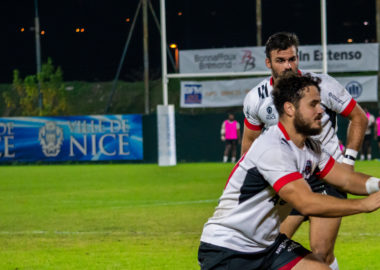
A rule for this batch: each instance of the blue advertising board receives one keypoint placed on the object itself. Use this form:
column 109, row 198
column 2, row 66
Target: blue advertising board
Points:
column 77, row 138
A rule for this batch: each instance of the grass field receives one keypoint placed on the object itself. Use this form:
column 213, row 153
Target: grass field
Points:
column 132, row 217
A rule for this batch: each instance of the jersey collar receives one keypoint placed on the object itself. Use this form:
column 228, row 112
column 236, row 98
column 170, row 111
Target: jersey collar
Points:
column 271, row 78
column 282, row 128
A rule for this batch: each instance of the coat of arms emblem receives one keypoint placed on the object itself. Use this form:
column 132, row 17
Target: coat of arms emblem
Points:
column 51, row 138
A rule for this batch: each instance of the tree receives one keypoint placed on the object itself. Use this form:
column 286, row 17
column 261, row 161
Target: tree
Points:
column 22, row 99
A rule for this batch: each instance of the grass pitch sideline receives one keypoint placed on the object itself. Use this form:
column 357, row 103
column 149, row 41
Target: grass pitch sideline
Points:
column 132, row 217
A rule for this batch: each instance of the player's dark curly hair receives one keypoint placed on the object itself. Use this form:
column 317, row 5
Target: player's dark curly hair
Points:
column 281, row 41
column 290, row 88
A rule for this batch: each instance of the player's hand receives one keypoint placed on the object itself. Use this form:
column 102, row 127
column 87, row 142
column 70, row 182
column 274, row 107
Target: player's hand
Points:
column 372, row 202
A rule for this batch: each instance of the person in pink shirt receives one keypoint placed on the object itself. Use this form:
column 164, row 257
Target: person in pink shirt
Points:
column 377, row 130
column 366, row 150
column 230, row 134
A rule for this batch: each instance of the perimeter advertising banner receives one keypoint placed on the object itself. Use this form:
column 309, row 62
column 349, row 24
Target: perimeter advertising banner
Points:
column 341, row 58
column 79, row 138
column 227, row 93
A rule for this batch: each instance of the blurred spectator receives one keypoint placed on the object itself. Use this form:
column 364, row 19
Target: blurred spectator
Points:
column 230, row 133
column 366, row 147
column 377, row 131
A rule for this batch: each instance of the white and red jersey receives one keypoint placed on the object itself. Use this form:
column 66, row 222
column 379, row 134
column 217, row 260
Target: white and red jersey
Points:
column 260, row 111
column 249, row 213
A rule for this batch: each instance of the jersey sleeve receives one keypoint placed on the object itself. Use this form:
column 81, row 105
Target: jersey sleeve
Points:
column 336, row 97
column 326, row 163
column 278, row 167
column 251, row 107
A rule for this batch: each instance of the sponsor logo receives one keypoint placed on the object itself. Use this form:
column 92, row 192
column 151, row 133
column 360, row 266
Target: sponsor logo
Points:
column 194, row 95
column 282, row 246
column 355, row 89
column 271, row 115
column 51, row 138
column 248, row 60
column 307, row 169
column 287, row 244
column 334, row 97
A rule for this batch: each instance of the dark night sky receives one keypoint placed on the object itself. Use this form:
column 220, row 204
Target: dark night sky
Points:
column 94, row 55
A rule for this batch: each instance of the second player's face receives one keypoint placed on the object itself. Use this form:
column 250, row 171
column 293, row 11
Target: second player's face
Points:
column 307, row 120
column 282, row 61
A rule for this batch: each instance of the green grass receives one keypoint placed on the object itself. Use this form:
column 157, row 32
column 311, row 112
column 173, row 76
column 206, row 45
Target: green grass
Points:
column 132, row 217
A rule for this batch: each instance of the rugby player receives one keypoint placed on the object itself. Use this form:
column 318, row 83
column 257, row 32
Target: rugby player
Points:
column 271, row 178
column 260, row 113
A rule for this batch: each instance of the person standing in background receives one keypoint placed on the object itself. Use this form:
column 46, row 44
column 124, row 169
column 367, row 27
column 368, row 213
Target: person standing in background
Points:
column 366, row 147
column 377, row 130
column 230, row 134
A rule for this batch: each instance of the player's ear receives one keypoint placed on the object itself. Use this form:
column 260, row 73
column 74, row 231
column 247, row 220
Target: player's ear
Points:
column 268, row 63
column 289, row 108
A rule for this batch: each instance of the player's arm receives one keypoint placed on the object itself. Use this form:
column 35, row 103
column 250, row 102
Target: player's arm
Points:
column 223, row 131
column 300, row 196
column 250, row 134
column 238, row 133
column 355, row 134
column 252, row 122
column 352, row 182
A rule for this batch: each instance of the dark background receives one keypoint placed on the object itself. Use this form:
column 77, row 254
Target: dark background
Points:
column 94, row 54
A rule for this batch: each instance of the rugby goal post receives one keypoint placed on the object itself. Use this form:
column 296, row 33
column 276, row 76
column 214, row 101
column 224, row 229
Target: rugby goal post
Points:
column 166, row 113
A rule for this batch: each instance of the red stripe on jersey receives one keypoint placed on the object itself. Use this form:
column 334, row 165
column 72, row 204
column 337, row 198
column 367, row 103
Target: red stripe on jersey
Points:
column 291, row 264
column 234, row 169
column 282, row 128
column 285, row 180
column 349, row 108
column 327, row 168
column 252, row 126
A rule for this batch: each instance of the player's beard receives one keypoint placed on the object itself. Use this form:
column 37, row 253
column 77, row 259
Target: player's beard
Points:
column 276, row 75
column 303, row 127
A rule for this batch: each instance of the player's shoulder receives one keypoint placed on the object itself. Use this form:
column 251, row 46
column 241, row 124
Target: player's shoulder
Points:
column 328, row 82
column 325, row 78
column 258, row 93
column 274, row 140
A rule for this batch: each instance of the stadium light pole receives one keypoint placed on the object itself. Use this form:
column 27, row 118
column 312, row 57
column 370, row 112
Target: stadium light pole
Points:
column 146, row 54
column 176, row 56
column 258, row 23
column 324, row 35
column 114, row 84
column 38, row 52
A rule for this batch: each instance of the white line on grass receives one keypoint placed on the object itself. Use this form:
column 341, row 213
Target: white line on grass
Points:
column 83, row 233
column 137, row 233
column 173, row 203
column 127, row 204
